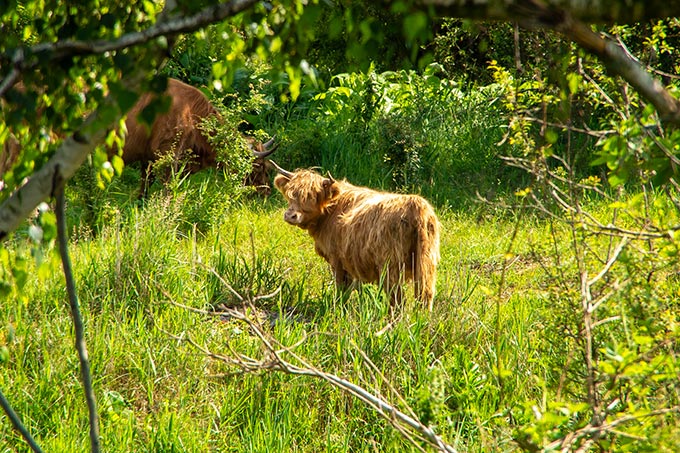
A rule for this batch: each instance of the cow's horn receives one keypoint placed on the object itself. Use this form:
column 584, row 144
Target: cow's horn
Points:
column 285, row 173
column 266, row 148
column 331, row 177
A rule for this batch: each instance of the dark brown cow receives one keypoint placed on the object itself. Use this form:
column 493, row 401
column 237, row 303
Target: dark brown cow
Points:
column 178, row 130
column 362, row 233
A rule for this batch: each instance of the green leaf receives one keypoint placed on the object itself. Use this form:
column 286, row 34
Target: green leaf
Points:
column 574, row 81
column 157, row 106
column 118, row 164
column 615, row 180
column 414, row 25
column 5, row 288
column 20, row 277
column 48, row 222
column 124, row 98
column 551, row 136
column 4, row 354
column 159, row 83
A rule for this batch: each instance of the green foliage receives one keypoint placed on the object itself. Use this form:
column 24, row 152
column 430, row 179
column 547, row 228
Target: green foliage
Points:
column 51, row 102
column 608, row 381
column 399, row 130
column 356, row 35
column 464, row 48
column 634, row 334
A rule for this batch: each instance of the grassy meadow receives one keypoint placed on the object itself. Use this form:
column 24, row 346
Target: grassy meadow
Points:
column 497, row 366
column 159, row 394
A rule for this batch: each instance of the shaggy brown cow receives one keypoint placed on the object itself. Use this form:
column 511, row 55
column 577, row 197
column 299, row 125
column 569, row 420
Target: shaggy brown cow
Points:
column 362, row 232
column 178, row 130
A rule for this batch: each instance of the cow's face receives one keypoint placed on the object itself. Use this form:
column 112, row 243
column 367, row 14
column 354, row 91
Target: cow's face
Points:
column 308, row 194
column 259, row 173
column 259, row 177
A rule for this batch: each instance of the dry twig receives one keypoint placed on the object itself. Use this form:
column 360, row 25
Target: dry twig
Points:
column 273, row 360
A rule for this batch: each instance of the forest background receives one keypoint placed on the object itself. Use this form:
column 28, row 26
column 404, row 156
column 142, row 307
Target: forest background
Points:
column 213, row 326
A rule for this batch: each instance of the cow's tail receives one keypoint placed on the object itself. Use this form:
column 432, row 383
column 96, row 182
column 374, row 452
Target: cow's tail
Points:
column 426, row 255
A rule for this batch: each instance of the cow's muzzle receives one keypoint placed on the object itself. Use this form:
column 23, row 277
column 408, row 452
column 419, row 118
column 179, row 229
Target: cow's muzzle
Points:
column 292, row 217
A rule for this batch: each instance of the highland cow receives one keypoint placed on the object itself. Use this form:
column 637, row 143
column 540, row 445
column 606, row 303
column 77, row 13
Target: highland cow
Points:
column 179, row 130
column 362, row 233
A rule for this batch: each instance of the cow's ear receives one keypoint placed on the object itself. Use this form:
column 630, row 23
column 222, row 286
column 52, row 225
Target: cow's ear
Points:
column 330, row 188
column 280, row 182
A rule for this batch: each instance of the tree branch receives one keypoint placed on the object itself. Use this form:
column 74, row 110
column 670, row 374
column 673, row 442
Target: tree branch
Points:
column 78, row 326
column 75, row 149
column 593, row 11
column 23, row 59
column 273, row 361
column 566, row 17
column 17, row 424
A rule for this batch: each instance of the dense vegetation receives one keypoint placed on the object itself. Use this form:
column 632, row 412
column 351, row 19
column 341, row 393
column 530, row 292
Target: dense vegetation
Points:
column 555, row 322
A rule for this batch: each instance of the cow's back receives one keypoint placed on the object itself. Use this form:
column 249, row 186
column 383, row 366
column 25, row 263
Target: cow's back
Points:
column 369, row 231
column 178, row 127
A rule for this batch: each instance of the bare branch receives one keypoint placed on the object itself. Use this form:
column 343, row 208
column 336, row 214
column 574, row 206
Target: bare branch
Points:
column 66, row 160
column 570, row 128
column 78, row 326
column 18, row 424
column 615, row 256
column 75, row 149
column 586, row 220
column 274, row 361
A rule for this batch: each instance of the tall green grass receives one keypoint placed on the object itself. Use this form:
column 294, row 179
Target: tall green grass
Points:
column 401, row 131
column 156, row 394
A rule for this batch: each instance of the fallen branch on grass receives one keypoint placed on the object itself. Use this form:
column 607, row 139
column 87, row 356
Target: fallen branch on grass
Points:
column 272, row 360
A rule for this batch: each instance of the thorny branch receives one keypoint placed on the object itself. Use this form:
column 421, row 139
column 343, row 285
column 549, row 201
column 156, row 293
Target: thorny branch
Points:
column 273, row 360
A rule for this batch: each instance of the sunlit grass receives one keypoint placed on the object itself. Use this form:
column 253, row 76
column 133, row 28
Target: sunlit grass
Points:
column 156, row 394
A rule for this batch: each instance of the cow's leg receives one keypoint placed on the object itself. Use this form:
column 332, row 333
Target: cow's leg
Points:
column 394, row 290
column 343, row 282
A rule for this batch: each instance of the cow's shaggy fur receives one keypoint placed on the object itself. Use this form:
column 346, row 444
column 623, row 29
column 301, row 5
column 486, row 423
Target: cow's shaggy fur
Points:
column 178, row 131
column 362, row 233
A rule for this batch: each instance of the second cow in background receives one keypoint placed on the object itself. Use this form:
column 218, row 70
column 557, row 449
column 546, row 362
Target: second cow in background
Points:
column 179, row 130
